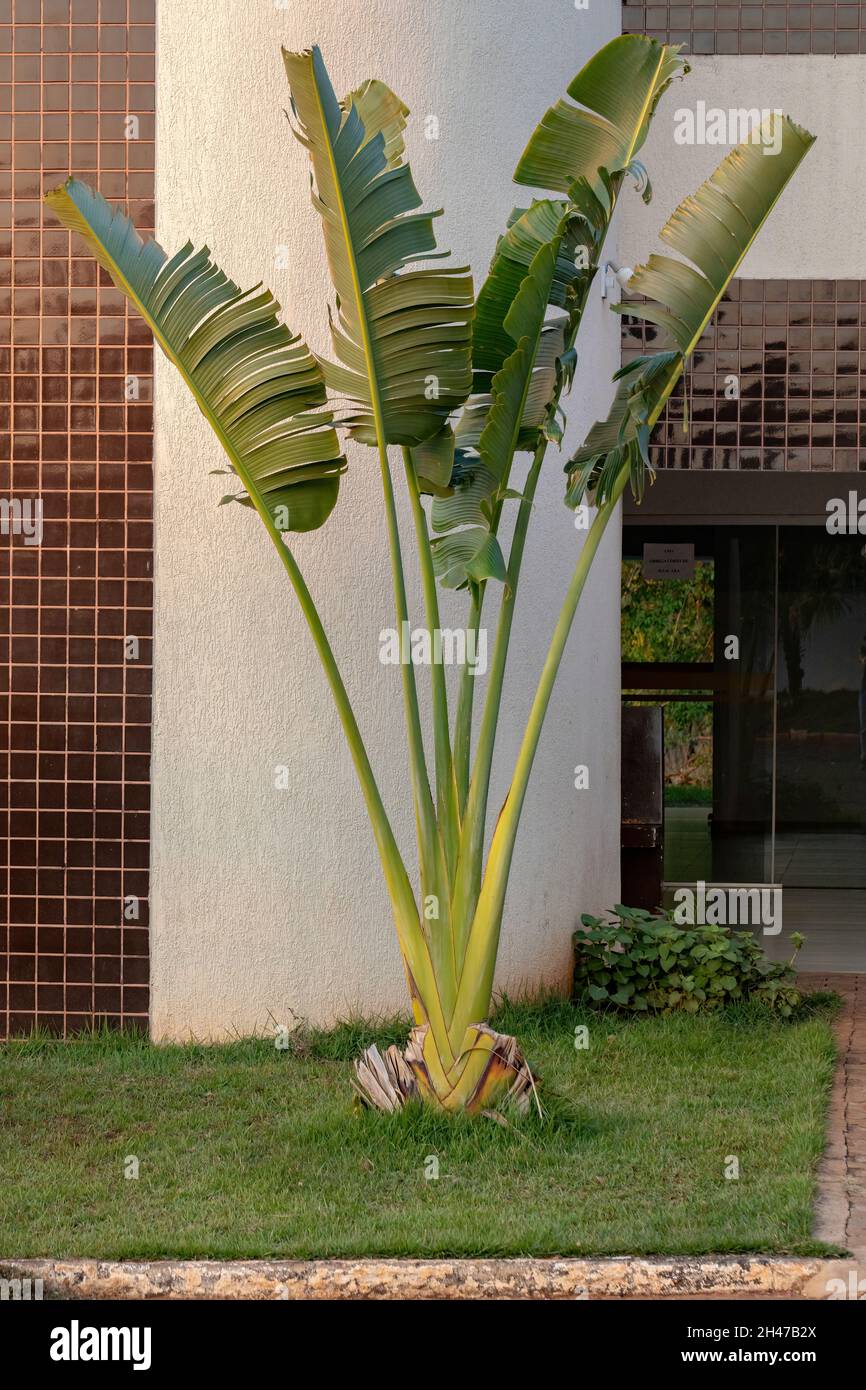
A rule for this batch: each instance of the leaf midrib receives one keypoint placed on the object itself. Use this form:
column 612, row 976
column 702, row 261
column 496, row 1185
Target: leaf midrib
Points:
column 645, row 108
column 654, row 415
column 367, row 344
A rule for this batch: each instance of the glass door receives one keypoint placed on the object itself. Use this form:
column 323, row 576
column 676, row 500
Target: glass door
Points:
column 745, row 704
column 757, row 656
column 667, row 651
column 821, row 710
column 699, row 613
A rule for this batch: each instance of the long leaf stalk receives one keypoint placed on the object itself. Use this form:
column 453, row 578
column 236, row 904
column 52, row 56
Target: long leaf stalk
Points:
column 413, row 945
column 465, row 702
column 468, row 879
column 446, row 784
column 417, row 760
column 476, row 981
column 471, row 865
column 437, row 877
column 431, row 850
column 422, row 975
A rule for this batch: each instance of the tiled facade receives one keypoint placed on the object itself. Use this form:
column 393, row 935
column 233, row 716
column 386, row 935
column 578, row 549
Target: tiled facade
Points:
column 76, row 95
column 733, row 26
column 778, row 381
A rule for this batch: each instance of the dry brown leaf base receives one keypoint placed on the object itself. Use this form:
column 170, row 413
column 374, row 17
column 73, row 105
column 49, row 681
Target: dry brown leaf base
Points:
column 391, row 1079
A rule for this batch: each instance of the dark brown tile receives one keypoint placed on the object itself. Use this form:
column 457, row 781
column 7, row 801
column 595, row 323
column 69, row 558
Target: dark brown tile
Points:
column 730, row 26
column 74, row 68
column 800, row 375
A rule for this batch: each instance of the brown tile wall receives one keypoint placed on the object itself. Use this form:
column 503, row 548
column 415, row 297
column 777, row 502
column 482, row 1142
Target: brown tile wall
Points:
column 75, row 431
column 729, row 26
column 798, row 351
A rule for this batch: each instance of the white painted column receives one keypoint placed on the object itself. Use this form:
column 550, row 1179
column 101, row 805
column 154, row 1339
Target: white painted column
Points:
column 269, row 902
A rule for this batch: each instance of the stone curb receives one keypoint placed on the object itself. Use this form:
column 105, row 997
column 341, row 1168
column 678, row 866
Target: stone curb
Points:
column 626, row 1277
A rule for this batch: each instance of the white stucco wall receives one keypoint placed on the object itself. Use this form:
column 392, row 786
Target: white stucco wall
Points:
column 267, row 901
column 816, row 229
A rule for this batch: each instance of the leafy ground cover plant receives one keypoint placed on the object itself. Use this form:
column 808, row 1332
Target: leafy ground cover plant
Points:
column 644, row 962
column 460, row 386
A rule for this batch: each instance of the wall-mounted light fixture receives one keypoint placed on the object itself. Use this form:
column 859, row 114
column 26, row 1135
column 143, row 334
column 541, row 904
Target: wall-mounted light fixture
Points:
column 615, row 275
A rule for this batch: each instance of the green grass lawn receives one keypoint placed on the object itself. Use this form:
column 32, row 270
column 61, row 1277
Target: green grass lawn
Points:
column 247, row 1151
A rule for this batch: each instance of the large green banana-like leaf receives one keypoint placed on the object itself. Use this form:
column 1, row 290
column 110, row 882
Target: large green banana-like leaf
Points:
column 618, row 91
column 516, row 361
column 715, row 229
column 434, row 463
column 529, row 229
column 572, row 230
column 469, row 551
column 583, row 151
column 402, row 337
column 257, row 385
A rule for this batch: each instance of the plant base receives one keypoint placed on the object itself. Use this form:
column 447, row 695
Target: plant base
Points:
column 490, row 1071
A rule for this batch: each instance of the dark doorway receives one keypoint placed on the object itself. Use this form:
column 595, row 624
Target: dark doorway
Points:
column 753, row 643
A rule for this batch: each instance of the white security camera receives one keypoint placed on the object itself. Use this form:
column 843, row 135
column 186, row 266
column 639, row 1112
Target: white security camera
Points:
column 615, row 275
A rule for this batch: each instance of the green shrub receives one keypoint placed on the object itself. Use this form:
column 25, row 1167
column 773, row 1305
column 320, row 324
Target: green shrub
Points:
column 643, row 962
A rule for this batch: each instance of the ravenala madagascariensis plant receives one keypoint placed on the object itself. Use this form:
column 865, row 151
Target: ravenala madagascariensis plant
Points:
column 460, row 387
